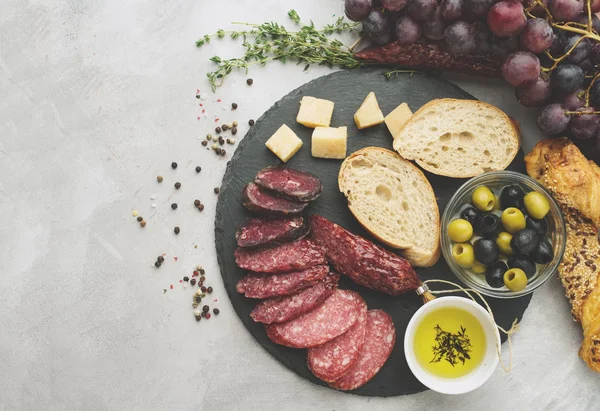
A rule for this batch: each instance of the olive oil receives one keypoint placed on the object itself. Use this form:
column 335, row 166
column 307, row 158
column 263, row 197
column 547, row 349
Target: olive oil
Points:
column 449, row 343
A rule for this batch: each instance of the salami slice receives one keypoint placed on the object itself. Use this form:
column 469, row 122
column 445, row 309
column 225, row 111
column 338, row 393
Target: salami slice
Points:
column 379, row 343
column 257, row 285
column 289, row 183
column 259, row 231
column 364, row 262
column 332, row 318
column 281, row 309
column 254, row 199
column 299, row 255
column 331, row 360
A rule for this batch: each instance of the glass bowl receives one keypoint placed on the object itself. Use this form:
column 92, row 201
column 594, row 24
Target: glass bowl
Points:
column 496, row 181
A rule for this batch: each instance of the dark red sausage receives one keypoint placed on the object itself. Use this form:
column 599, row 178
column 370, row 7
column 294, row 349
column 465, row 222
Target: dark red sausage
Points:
column 257, row 200
column 263, row 232
column 282, row 309
column 256, row 285
column 364, row 262
column 289, row 183
column 299, row 255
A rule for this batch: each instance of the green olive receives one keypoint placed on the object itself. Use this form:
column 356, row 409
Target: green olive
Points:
column 515, row 279
column 478, row 268
column 503, row 243
column 497, row 205
column 463, row 254
column 460, row 230
column 537, row 205
column 483, row 199
column 513, row 220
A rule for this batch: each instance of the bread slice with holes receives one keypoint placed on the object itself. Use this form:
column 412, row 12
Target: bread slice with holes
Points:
column 459, row 138
column 394, row 201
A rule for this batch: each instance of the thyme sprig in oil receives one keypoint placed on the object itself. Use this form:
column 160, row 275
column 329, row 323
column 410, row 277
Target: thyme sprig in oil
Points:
column 454, row 348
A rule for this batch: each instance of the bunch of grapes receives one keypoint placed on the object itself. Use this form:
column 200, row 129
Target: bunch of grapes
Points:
column 550, row 49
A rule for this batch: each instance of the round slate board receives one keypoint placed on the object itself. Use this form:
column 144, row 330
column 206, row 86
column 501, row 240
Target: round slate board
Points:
column 347, row 89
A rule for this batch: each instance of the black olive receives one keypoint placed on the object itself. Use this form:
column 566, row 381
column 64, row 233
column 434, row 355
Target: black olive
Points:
column 489, row 225
column 524, row 262
column 486, row 251
column 471, row 214
column 512, row 196
column 494, row 275
column 540, row 226
column 525, row 241
column 544, row 253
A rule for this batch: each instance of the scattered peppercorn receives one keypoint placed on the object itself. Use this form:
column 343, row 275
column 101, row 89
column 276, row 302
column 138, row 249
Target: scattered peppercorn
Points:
column 203, row 295
column 159, row 179
column 197, row 293
column 249, row 81
column 233, row 106
column 203, row 314
column 218, row 130
column 186, row 278
column 193, row 281
column 209, row 137
column 229, row 141
column 198, row 169
column 140, row 218
column 157, row 264
column 234, row 131
column 202, row 272
column 204, row 143
column 203, row 288
column 174, row 206
column 205, row 308
column 196, row 203
column 195, row 273
column 173, row 165
column 221, row 140
column 250, row 122
column 176, row 230
column 143, row 223
column 194, row 304
column 198, row 96
column 177, row 185
column 223, row 152
column 202, row 279
column 224, row 127
column 217, row 190
column 235, row 124
column 216, row 311
column 160, row 258
column 209, row 290
column 201, row 207
column 207, row 316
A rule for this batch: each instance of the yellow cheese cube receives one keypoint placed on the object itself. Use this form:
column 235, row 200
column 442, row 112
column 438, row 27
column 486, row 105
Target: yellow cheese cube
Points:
column 284, row 143
column 398, row 118
column 369, row 114
column 329, row 142
column 315, row 112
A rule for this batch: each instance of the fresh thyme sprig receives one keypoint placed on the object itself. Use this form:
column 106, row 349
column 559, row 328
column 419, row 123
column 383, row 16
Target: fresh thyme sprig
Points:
column 272, row 41
column 453, row 348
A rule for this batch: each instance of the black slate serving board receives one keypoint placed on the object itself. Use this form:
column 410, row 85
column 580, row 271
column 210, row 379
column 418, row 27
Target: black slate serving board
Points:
column 347, row 89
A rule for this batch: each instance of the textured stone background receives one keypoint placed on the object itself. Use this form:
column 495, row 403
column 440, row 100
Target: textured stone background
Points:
column 96, row 99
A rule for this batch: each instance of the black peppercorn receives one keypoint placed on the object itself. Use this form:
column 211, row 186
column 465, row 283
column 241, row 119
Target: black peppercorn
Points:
column 140, row 218
column 143, row 223
column 221, row 140
column 218, row 130
column 159, row 179
column 160, row 258
column 157, row 264
column 249, row 81
column 201, row 207
column 205, row 308
column 216, row 190
column 223, row 152
column 193, row 281
column 174, row 206
column 196, row 203
column 173, row 165
column 203, row 314
column 204, row 143
column 203, row 288
column 186, row 278
column 216, row 311
column 202, row 277
column 198, row 169
column 202, row 272
column 177, row 185
column 234, row 131
column 224, row 127
column 234, row 105
column 176, row 230
column 251, row 122
column 209, row 290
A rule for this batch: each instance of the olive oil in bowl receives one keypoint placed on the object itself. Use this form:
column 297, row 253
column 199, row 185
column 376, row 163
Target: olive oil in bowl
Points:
column 449, row 342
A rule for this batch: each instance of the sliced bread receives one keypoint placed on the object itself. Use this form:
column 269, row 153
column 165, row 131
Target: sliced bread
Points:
column 459, row 138
column 394, row 201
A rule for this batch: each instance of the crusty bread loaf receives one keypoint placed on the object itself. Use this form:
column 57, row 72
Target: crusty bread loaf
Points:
column 394, row 201
column 459, row 138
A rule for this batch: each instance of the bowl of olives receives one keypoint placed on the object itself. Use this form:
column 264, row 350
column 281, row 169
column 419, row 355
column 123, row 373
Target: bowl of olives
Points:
column 503, row 234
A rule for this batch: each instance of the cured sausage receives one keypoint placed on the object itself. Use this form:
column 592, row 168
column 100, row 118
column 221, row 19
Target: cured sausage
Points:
column 380, row 338
column 281, row 309
column 256, row 285
column 258, row 231
column 254, row 199
column 332, row 318
column 299, row 255
column 364, row 262
column 331, row 360
column 289, row 183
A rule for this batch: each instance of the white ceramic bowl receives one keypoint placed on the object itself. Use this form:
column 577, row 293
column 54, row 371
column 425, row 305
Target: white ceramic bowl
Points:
column 475, row 378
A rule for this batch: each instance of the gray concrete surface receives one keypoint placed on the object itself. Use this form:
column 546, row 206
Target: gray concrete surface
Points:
column 96, row 100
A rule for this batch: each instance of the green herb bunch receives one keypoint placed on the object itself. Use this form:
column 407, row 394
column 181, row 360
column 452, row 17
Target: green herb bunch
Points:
column 453, row 348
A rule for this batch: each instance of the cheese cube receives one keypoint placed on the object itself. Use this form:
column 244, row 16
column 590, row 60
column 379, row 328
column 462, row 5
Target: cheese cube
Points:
column 368, row 114
column 398, row 118
column 329, row 142
column 284, row 143
column 315, row 112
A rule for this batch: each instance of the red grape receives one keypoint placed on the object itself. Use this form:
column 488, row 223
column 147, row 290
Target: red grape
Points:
column 482, row 38
column 377, row 27
column 558, row 44
column 537, row 35
column 566, row 78
column 433, row 29
column 537, row 10
column 452, row 10
column 583, row 19
column 565, row 10
column 595, row 93
column 521, row 67
column 595, row 54
column 587, row 66
column 421, row 10
column 408, row 31
column 534, row 93
column 580, row 52
column 475, row 9
column 584, row 126
column 501, row 47
column 394, row 5
column 506, row 18
column 357, row 10
column 460, row 38
column 595, row 6
column 553, row 119
column 572, row 101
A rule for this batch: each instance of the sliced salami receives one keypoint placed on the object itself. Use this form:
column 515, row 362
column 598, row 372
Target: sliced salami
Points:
column 289, row 183
column 262, row 232
column 332, row 318
column 281, row 309
column 299, row 255
column 257, row 285
column 257, row 200
column 380, row 338
column 364, row 262
column 331, row 360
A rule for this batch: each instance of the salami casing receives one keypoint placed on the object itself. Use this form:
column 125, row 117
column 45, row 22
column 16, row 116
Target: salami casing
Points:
column 264, row 232
column 295, row 256
column 256, row 285
column 289, row 183
column 257, row 200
